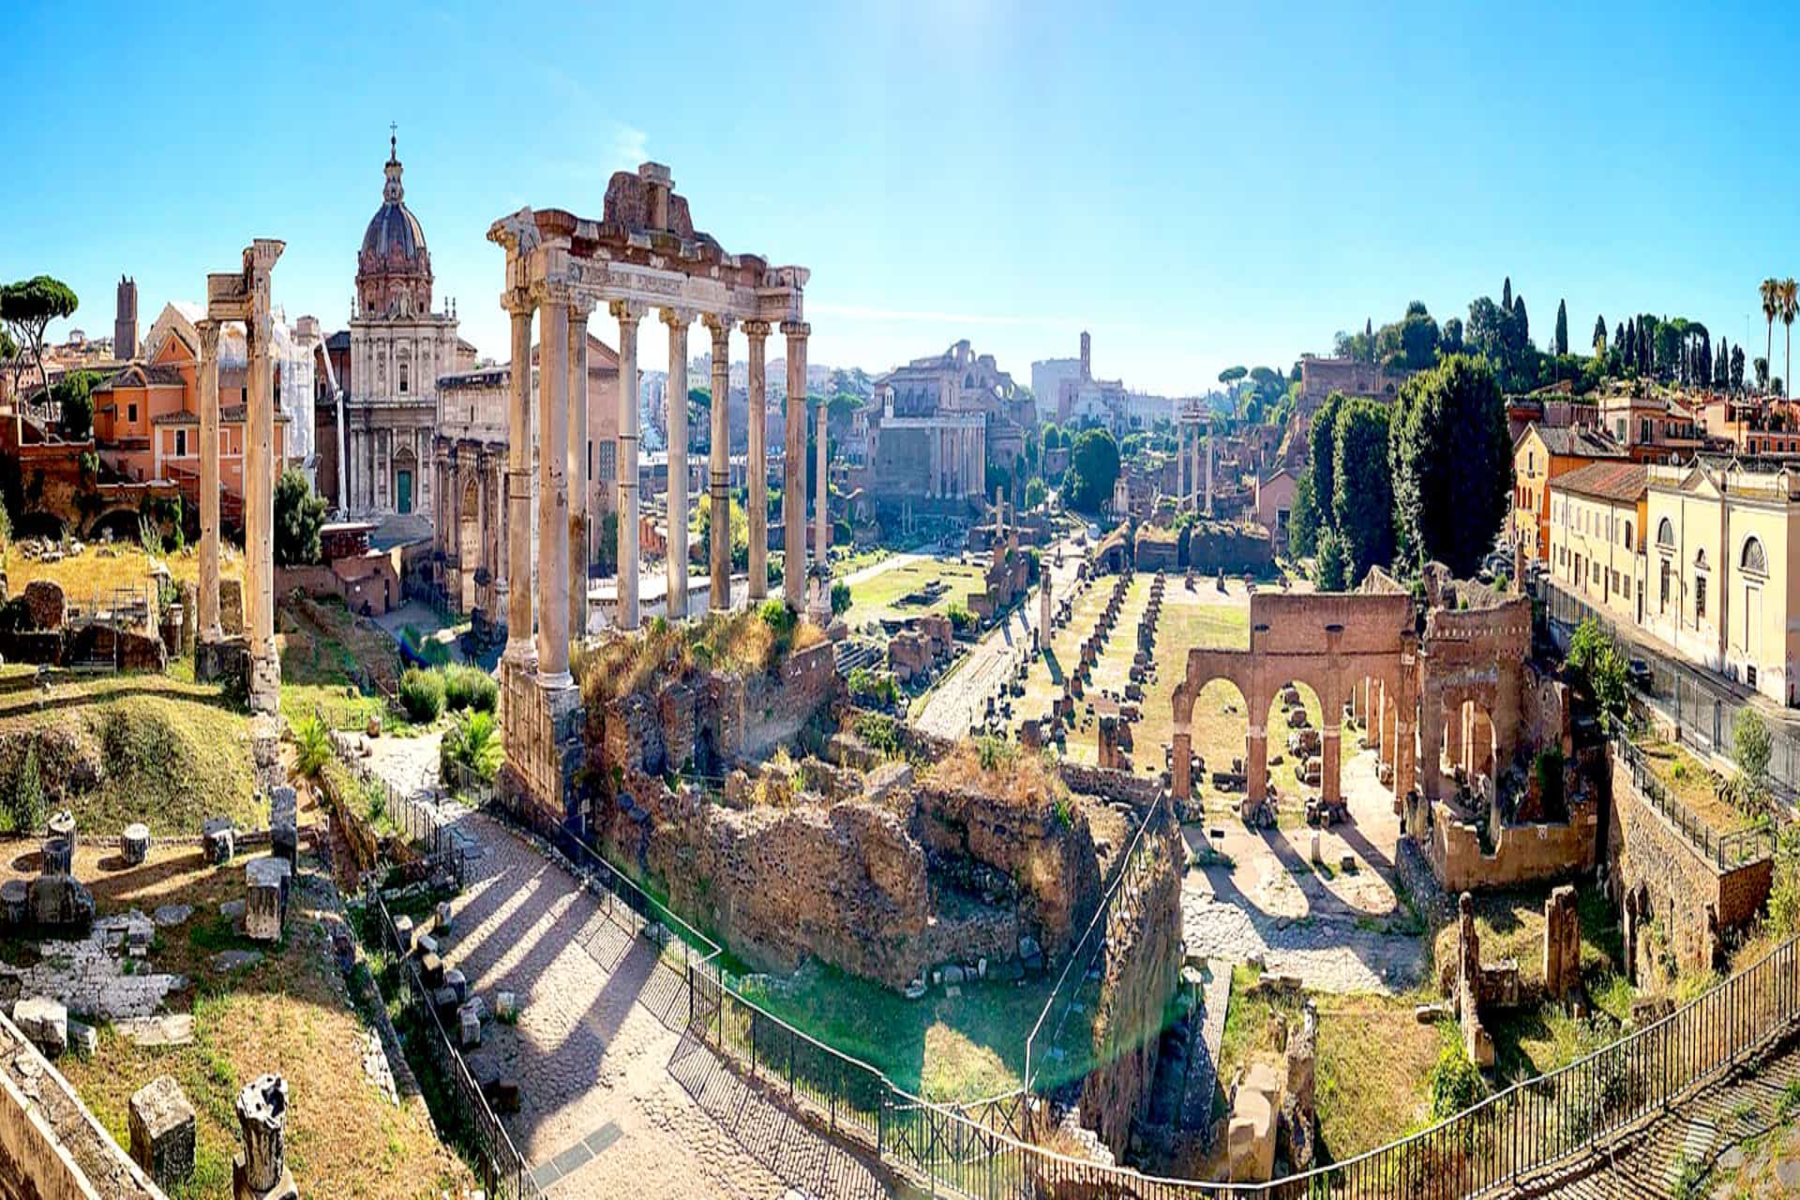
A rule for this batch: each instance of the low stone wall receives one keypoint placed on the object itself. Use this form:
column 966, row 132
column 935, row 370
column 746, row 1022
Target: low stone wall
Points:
column 1140, row 972
column 1690, row 897
column 51, row 1147
column 1530, row 853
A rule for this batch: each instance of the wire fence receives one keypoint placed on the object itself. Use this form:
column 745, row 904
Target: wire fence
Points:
column 503, row 1170
column 1702, row 708
column 985, row 1152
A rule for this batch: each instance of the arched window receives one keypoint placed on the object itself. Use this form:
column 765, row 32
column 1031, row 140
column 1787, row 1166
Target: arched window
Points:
column 1700, row 559
column 1665, row 533
column 1754, row 559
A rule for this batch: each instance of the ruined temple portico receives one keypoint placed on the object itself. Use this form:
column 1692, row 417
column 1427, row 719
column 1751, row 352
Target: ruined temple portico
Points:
column 641, row 257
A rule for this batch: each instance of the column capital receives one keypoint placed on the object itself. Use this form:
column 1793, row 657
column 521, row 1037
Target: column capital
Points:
column 795, row 329
column 628, row 311
column 677, row 318
column 208, row 329
column 518, row 301
column 580, row 307
column 756, row 330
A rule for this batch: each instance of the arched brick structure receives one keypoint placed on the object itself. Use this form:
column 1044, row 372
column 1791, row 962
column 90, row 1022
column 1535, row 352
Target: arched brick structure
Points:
column 1331, row 643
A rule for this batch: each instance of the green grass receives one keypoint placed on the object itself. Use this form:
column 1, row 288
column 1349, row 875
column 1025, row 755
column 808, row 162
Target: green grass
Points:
column 964, row 1049
column 878, row 598
column 139, row 747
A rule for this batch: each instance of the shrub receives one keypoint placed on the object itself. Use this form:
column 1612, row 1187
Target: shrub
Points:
column 27, row 806
column 840, row 598
column 313, row 746
column 422, row 695
column 874, row 687
column 960, row 618
column 472, row 743
column 1455, row 1082
column 468, row 687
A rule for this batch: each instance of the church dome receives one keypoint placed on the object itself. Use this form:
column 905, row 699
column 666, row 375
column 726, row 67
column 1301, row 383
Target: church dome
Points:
column 393, row 268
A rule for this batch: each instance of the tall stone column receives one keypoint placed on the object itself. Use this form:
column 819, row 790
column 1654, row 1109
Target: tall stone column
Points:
column 259, row 483
column 756, row 461
column 1181, row 765
column 822, row 491
column 629, row 315
column 719, row 552
column 580, row 492
column 1330, row 755
column 793, row 485
column 1256, row 762
column 520, row 306
column 1431, row 734
column 1209, row 460
column 676, row 394
column 1404, row 774
column 210, row 628
column 553, row 487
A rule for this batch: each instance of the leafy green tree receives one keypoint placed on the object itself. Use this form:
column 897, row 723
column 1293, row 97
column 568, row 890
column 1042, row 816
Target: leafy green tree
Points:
column 1559, row 341
column 1035, row 492
column 1231, row 375
column 701, row 525
column 1093, row 469
column 1599, row 339
column 28, row 307
column 299, row 515
column 1322, row 451
column 1601, row 666
column 1450, row 341
column 1363, row 507
column 1451, row 461
column 1331, row 568
column 1752, row 745
column 10, row 359
column 840, row 598
column 73, row 394
column 1770, row 293
column 1303, row 519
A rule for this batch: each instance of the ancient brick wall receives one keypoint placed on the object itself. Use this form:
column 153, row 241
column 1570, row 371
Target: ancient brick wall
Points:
column 1141, row 971
column 51, row 1147
column 1545, row 714
column 1691, row 899
column 1528, row 853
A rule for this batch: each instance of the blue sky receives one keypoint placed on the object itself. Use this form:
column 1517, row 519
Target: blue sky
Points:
column 1198, row 184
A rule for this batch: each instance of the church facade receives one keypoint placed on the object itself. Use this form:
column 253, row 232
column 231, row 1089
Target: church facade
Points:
column 398, row 348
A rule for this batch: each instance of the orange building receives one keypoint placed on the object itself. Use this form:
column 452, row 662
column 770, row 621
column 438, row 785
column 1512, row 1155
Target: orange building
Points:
column 1540, row 455
column 147, row 416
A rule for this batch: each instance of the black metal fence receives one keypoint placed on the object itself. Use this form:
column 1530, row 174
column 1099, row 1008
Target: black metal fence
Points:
column 1727, row 851
column 414, row 818
column 503, row 1171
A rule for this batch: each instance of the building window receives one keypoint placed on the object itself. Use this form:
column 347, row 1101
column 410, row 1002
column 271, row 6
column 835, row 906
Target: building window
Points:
column 181, row 443
column 1627, row 592
column 1665, row 533
column 1628, row 535
column 1754, row 560
column 131, row 413
column 1663, row 604
column 1699, row 598
column 608, row 465
column 405, row 376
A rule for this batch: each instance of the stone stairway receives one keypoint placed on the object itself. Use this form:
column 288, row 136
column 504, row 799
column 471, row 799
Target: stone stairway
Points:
column 1689, row 1151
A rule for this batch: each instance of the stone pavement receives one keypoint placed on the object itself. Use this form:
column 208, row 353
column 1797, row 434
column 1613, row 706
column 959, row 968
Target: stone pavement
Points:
column 614, row 1101
column 959, row 699
column 1329, row 927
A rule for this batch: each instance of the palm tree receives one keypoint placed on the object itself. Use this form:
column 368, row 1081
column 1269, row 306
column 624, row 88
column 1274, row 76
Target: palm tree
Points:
column 1790, row 308
column 1771, row 304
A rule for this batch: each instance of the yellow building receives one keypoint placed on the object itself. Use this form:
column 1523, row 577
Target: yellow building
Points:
column 1597, row 515
column 1541, row 455
column 1720, row 590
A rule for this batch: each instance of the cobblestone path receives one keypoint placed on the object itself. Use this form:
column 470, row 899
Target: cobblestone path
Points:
column 614, row 1101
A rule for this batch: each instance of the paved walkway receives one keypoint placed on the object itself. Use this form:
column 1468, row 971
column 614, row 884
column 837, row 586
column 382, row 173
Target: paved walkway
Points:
column 958, row 700
column 614, row 1101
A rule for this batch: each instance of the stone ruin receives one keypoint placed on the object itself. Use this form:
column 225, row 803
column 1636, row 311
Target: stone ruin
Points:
column 55, row 902
column 260, row 1170
column 163, row 1131
column 1562, row 945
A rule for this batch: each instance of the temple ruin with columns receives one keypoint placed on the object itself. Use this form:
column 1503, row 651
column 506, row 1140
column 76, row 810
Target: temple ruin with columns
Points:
column 642, row 255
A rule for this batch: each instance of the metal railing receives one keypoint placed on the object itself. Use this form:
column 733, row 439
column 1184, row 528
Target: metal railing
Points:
column 1134, row 865
column 414, row 819
column 503, row 1170
column 984, row 1151
column 1727, row 851
column 1698, row 704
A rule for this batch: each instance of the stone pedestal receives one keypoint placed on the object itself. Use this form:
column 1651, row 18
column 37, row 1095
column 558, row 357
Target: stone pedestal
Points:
column 223, row 660
column 220, row 839
column 468, row 1023
column 1562, row 944
column 284, row 828
column 59, row 903
column 259, row 1172
column 62, row 825
column 58, row 856
column 15, row 899
column 134, row 844
column 265, row 900
column 403, row 934
column 162, row 1131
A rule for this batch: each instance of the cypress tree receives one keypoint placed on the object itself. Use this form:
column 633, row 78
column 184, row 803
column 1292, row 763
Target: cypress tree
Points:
column 1561, row 346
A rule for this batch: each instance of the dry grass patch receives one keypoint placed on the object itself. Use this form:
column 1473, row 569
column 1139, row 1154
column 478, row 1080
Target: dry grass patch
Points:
column 102, row 569
column 1692, row 783
column 1000, row 770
